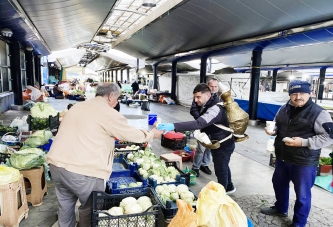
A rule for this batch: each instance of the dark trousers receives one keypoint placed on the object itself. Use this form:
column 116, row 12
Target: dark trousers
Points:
column 303, row 178
column 221, row 159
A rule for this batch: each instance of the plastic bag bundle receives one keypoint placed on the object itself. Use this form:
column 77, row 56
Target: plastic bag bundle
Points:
column 215, row 208
column 185, row 216
column 8, row 175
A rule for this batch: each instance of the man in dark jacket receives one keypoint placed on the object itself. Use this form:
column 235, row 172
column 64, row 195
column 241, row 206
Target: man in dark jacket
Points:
column 135, row 87
column 302, row 129
column 202, row 155
column 212, row 114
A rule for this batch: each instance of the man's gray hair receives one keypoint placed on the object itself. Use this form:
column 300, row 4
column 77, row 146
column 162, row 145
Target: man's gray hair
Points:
column 106, row 89
column 212, row 79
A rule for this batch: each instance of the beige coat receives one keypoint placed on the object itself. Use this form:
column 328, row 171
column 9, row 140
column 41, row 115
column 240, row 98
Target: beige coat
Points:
column 85, row 141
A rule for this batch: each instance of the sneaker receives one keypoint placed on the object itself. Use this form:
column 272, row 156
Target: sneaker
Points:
column 273, row 212
column 206, row 170
column 230, row 191
column 197, row 171
column 293, row 225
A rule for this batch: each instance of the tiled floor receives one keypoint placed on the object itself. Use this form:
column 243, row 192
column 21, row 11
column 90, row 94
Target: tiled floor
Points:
column 249, row 165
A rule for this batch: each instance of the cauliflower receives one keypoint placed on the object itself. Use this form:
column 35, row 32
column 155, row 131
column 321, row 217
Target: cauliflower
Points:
column 133, row 208
column 181, row 188
column 116, row 211
column 128, row 200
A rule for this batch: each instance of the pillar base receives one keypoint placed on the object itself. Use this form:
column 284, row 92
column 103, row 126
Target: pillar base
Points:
column 17, row 107
column 253, row 122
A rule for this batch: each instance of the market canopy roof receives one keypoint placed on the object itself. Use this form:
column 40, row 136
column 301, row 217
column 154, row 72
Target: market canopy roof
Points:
column 178, row 28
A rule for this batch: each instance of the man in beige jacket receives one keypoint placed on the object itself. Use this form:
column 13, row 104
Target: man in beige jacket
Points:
column 81, row 155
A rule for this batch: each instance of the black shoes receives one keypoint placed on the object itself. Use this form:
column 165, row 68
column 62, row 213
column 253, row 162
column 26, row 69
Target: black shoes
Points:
column 273, row 212
column 230, row 190
column 197, row 171
column 206, row 170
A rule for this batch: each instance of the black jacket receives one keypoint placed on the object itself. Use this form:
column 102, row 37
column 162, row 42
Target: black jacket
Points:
column 195, row 109
column 297, row 122
column 210, row 114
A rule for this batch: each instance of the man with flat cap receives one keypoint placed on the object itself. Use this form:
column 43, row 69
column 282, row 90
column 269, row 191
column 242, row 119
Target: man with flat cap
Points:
column 302, row 129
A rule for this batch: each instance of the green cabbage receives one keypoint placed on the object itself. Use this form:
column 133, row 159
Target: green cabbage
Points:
column 43, row 110
column 27, row 158
column 38, row 138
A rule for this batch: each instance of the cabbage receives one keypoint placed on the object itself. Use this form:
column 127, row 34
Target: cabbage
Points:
column 27, row 158
column 43, row 110
column 38, row 138
column 8, row 175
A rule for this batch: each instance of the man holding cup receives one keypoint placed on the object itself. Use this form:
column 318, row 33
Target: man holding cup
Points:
column 302, row 129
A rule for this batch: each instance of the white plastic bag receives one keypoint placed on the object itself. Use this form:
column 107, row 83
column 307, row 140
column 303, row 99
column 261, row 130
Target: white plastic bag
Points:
column 17, row 122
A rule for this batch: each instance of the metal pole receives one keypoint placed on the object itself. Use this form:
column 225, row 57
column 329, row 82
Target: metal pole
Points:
column 15, row 68
column 274, row 79
column 174, row 80
column 321, row 83
column 155, row 75
column 203, row 69
column 255, row 79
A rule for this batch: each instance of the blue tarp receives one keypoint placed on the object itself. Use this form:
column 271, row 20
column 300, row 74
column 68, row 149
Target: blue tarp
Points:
column 265, row 110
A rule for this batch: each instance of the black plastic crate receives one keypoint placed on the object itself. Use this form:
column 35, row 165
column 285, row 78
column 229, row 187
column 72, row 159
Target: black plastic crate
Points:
column 174, row 144
column 118, row 153
column 3, row 157
column 103, row 201
column 170, row 208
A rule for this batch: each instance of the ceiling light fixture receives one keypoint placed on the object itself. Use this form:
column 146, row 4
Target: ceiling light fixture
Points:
column 29, row 48
column 6, row 32
column 148, row 3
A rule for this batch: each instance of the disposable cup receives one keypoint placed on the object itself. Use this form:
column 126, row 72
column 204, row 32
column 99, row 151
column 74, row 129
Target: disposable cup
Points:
column 270, row 125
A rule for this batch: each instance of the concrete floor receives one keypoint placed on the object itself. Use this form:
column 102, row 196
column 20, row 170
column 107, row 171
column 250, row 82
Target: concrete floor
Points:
column 249, row 166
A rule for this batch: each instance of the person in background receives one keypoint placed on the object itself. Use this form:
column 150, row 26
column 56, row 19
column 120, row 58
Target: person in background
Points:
column 135, row 87
column 57, row 91
column 212, row 114
column 202, row 155
column 81, row 154
column 302, row 129
column 118, row 82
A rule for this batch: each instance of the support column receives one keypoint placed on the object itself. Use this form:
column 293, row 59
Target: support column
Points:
column 15, row 69
column 29, row 68
column 128, row 75
column 155, row 75
column 38, row 76
column 203, row 69
column 321, row 82
column 174, row 80
column 275, row 71
column 121, row 75
column 254, row 90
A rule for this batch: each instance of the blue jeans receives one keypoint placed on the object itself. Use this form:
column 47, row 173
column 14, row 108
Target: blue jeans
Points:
column 201, row 156
column 221, row 159
column 303, row 178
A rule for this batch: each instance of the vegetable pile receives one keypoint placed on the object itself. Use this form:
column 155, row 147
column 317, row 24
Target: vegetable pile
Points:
column 130, row 205
column 153, row 167
column 325, row 161
column 172, row 192
column 130, row 185
column 132, row 147
column 40, row 113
